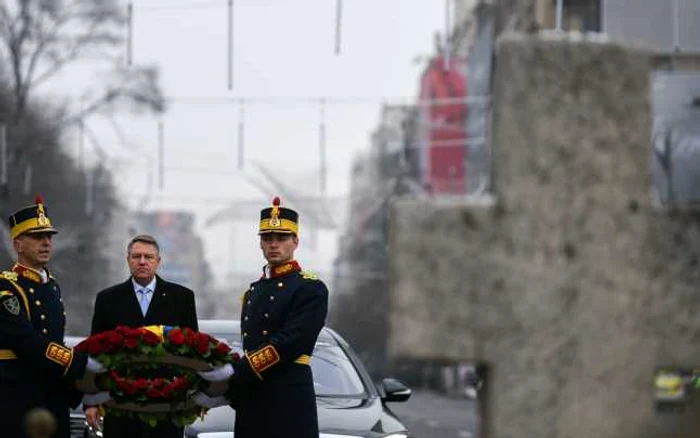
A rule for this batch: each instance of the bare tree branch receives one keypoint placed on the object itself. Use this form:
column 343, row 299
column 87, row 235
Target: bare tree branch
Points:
column 41, row 38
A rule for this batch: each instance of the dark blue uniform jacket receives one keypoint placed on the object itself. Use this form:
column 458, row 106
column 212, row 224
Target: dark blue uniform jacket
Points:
column 36, row 369
column 281, row 318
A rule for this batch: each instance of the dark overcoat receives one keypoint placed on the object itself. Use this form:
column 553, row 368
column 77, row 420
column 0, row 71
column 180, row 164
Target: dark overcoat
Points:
column 171, row 304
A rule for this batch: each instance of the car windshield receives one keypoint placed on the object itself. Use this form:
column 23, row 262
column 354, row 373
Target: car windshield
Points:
column 334, row 374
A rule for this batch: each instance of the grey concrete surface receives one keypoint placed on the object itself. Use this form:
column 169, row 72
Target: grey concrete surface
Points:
column 574, row 287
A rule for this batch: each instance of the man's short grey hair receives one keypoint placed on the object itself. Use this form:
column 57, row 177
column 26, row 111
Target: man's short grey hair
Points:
column 143, row 238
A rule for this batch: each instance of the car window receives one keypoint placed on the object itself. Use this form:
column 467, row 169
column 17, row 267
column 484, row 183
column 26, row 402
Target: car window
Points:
column 334, row 374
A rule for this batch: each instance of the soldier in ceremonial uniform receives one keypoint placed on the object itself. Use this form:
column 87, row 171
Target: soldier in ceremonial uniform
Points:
column 36, row 369
column 282, row 315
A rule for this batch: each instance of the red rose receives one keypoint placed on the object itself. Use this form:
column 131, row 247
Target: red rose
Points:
column 176, row 337
column 114, row 375
column 122, row 330
column 94, row 347
column 166, row 391
column 114, row 338
column 189, row 335
column 126, row 386
column 131, row 343
column 202, row 346
column 154, row 393
column 236, row 357
column 150, row 338
column 157, row 382
column 179, row 383
column 133, row 333
column 222, row 349
column 140, row 383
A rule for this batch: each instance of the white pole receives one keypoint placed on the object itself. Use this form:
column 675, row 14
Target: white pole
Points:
column 676, row 26
column 241, row 135
column 560, row 13
column 322, row 145
column 129, row 33
column 338, row 24
column 28, row 179
column 448, row 32
column 3, row 154
column 89, row 190
column 161, row 154
column 230, row 44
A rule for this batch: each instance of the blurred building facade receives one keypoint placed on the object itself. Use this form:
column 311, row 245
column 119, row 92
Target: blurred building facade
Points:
column 460, row 73
column 361, row 273
column 568, row 285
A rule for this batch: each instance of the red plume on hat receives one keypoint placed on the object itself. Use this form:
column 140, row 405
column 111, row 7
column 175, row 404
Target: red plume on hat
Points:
column 39, row 199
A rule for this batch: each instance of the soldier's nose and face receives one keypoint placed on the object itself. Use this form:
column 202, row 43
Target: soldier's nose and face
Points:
column 143, row 259
column 278, row 248
column 34, row 249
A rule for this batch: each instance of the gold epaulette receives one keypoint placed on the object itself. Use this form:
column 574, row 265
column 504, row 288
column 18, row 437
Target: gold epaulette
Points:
column 8, row 275
column 245, row 294
column 308, row 275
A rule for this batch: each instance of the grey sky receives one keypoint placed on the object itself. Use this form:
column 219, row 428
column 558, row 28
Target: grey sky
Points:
column 282, row 48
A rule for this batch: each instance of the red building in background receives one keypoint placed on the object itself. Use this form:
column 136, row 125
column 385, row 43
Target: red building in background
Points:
column 442, row 126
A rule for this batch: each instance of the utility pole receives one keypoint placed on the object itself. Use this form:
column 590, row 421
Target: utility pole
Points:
column 322, row 146
column 129, row 33
column 3, row 154
column 161, row 155
column 338, row 24
column 230, row 44
column 559, row 15
column 241, row 134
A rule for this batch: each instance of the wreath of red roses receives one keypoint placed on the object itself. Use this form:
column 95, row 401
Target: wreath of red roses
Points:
column 126, row 352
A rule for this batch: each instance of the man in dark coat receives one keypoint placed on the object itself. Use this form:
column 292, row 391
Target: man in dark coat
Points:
column 282, row 315
column 144, row 299
column 36, row 369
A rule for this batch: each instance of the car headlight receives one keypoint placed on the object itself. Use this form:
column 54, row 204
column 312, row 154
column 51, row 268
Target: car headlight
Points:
column 397, row 435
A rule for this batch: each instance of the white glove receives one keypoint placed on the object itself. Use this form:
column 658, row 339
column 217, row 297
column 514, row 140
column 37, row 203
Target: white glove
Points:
column 218, row 374
column 205, row 401
column 94, row 366
column 96, row 399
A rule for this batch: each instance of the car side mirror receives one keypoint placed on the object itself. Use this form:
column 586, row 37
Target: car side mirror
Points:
column 395, row 391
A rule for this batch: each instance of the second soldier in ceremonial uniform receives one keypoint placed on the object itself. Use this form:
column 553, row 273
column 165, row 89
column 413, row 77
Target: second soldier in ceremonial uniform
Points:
column 36, row 369
column 282, row 315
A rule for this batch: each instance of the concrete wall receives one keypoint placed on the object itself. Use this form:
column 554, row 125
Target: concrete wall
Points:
column 573, row 287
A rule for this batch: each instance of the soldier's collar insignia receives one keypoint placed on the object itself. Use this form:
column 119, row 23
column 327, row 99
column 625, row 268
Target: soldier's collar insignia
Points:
column 11, row 305
column 27, row 273
column 284, row 269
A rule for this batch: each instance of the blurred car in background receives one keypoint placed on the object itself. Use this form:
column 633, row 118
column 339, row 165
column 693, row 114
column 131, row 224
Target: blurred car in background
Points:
column 349, row 403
